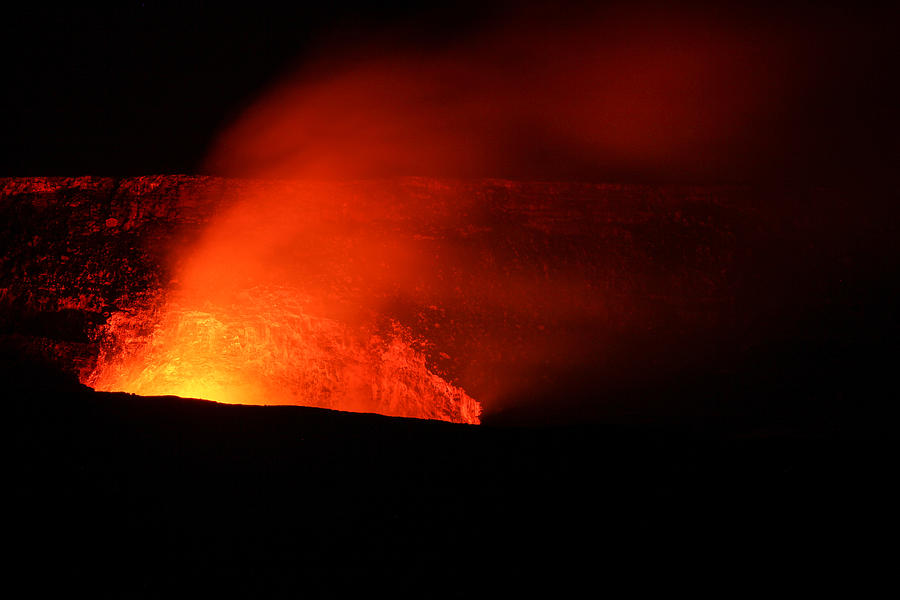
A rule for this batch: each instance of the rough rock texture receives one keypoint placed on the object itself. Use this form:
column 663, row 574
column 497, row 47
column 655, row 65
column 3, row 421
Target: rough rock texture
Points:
column 75, row 250
column 673, row 274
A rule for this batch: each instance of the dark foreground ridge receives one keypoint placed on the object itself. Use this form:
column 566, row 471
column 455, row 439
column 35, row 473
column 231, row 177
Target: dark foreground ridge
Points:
column 148, row 496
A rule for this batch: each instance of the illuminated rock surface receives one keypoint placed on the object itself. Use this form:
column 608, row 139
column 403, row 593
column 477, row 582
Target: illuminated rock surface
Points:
column 489, row 289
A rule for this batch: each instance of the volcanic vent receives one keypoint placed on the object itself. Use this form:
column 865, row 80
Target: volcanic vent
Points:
column 413, row 297
column 263, row 346
column 425, row 298
column 174, row 287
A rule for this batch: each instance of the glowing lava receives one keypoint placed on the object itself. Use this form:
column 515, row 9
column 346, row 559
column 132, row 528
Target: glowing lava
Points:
column 262, row 347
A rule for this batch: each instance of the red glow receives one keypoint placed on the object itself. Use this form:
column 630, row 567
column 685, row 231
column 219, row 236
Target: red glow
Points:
column 680, row 95
column 278, row 304
column 288, row 297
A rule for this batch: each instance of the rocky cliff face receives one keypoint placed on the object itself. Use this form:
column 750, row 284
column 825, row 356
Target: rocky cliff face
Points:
column 76, row 250
column 525, row 282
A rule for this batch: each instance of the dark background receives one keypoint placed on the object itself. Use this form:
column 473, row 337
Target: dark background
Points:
column 145, row 497
column 133, row 88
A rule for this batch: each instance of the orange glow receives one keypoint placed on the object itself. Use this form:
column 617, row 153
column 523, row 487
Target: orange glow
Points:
column 262, row 348
column 289, row 296
column 278, row 304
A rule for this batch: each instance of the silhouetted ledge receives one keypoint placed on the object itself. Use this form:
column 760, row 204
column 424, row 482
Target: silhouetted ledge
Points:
column 109, row 485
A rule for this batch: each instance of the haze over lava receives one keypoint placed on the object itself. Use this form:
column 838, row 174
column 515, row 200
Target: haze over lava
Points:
column 661, row 94
column 305, row 297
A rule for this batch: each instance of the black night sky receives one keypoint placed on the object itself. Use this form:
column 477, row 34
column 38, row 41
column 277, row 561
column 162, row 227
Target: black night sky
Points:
column 143, row 87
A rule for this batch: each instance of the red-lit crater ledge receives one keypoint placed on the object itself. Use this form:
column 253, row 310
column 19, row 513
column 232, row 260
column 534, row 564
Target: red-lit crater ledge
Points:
column 412, row 297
